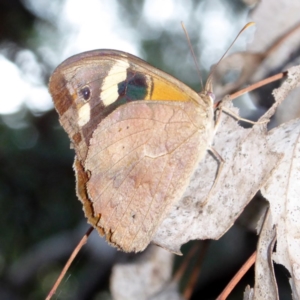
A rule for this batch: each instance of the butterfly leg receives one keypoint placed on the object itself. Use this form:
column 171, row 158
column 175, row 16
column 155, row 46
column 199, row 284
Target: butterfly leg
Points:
column 217, row 156
column 237, row 117
column 220, row 167
column 218, row 118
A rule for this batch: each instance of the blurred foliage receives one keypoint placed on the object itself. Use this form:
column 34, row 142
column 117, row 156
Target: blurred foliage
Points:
column 36, row 184
column 16, row 22
column 31, row 159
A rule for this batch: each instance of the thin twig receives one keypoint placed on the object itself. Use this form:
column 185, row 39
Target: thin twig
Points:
column 70, row 260
column 195, row 274
column 237, row 277
column 181, row 270
column 258, row 85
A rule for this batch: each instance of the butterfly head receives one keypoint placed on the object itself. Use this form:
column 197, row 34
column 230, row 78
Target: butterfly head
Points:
column 207, row 93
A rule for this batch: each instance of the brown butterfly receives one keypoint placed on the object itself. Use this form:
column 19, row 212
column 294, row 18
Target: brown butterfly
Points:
column 138, row 134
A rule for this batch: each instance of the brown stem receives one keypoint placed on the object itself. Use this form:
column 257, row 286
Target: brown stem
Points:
column 237, row 277
column 258, row 85
column 70, row 260
column 195, row 274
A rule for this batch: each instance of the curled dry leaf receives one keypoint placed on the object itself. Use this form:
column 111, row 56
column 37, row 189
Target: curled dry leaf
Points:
column 265, row 282
column 248, row 164
column 147, row 277
column 282, row 190
column 250, row 158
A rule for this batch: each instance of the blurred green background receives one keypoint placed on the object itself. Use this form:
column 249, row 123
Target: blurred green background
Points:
column 41, row 219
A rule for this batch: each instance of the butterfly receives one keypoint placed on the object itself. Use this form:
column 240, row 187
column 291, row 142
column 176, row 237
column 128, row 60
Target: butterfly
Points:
column 138, row 135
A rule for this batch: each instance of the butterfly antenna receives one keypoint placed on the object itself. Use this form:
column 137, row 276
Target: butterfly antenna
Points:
column 208, row 85
column 192, row 52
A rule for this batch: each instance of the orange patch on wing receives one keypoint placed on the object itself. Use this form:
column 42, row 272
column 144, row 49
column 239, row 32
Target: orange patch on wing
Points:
column 165, row 91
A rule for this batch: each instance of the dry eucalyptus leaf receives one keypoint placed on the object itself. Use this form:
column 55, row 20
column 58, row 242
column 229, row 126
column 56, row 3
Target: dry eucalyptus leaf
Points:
column 282, row 191
column 288, row 86
column 282, row 139
column 289, row 91
column 265, row 282
column 249, row 158
column 248, row 164
column 275, row 40
column 290, row 109
column 270, row 29
column 145, row 278
column 273, row 19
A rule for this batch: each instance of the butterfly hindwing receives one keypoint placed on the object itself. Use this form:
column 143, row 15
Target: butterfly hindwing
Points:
column 140, row 160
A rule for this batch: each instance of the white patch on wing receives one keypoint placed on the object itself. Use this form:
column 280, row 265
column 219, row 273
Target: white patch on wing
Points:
column 84, row 114
column 109, row 86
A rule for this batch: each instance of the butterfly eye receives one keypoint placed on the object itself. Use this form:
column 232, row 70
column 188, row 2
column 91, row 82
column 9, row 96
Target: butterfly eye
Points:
column 86, row 93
